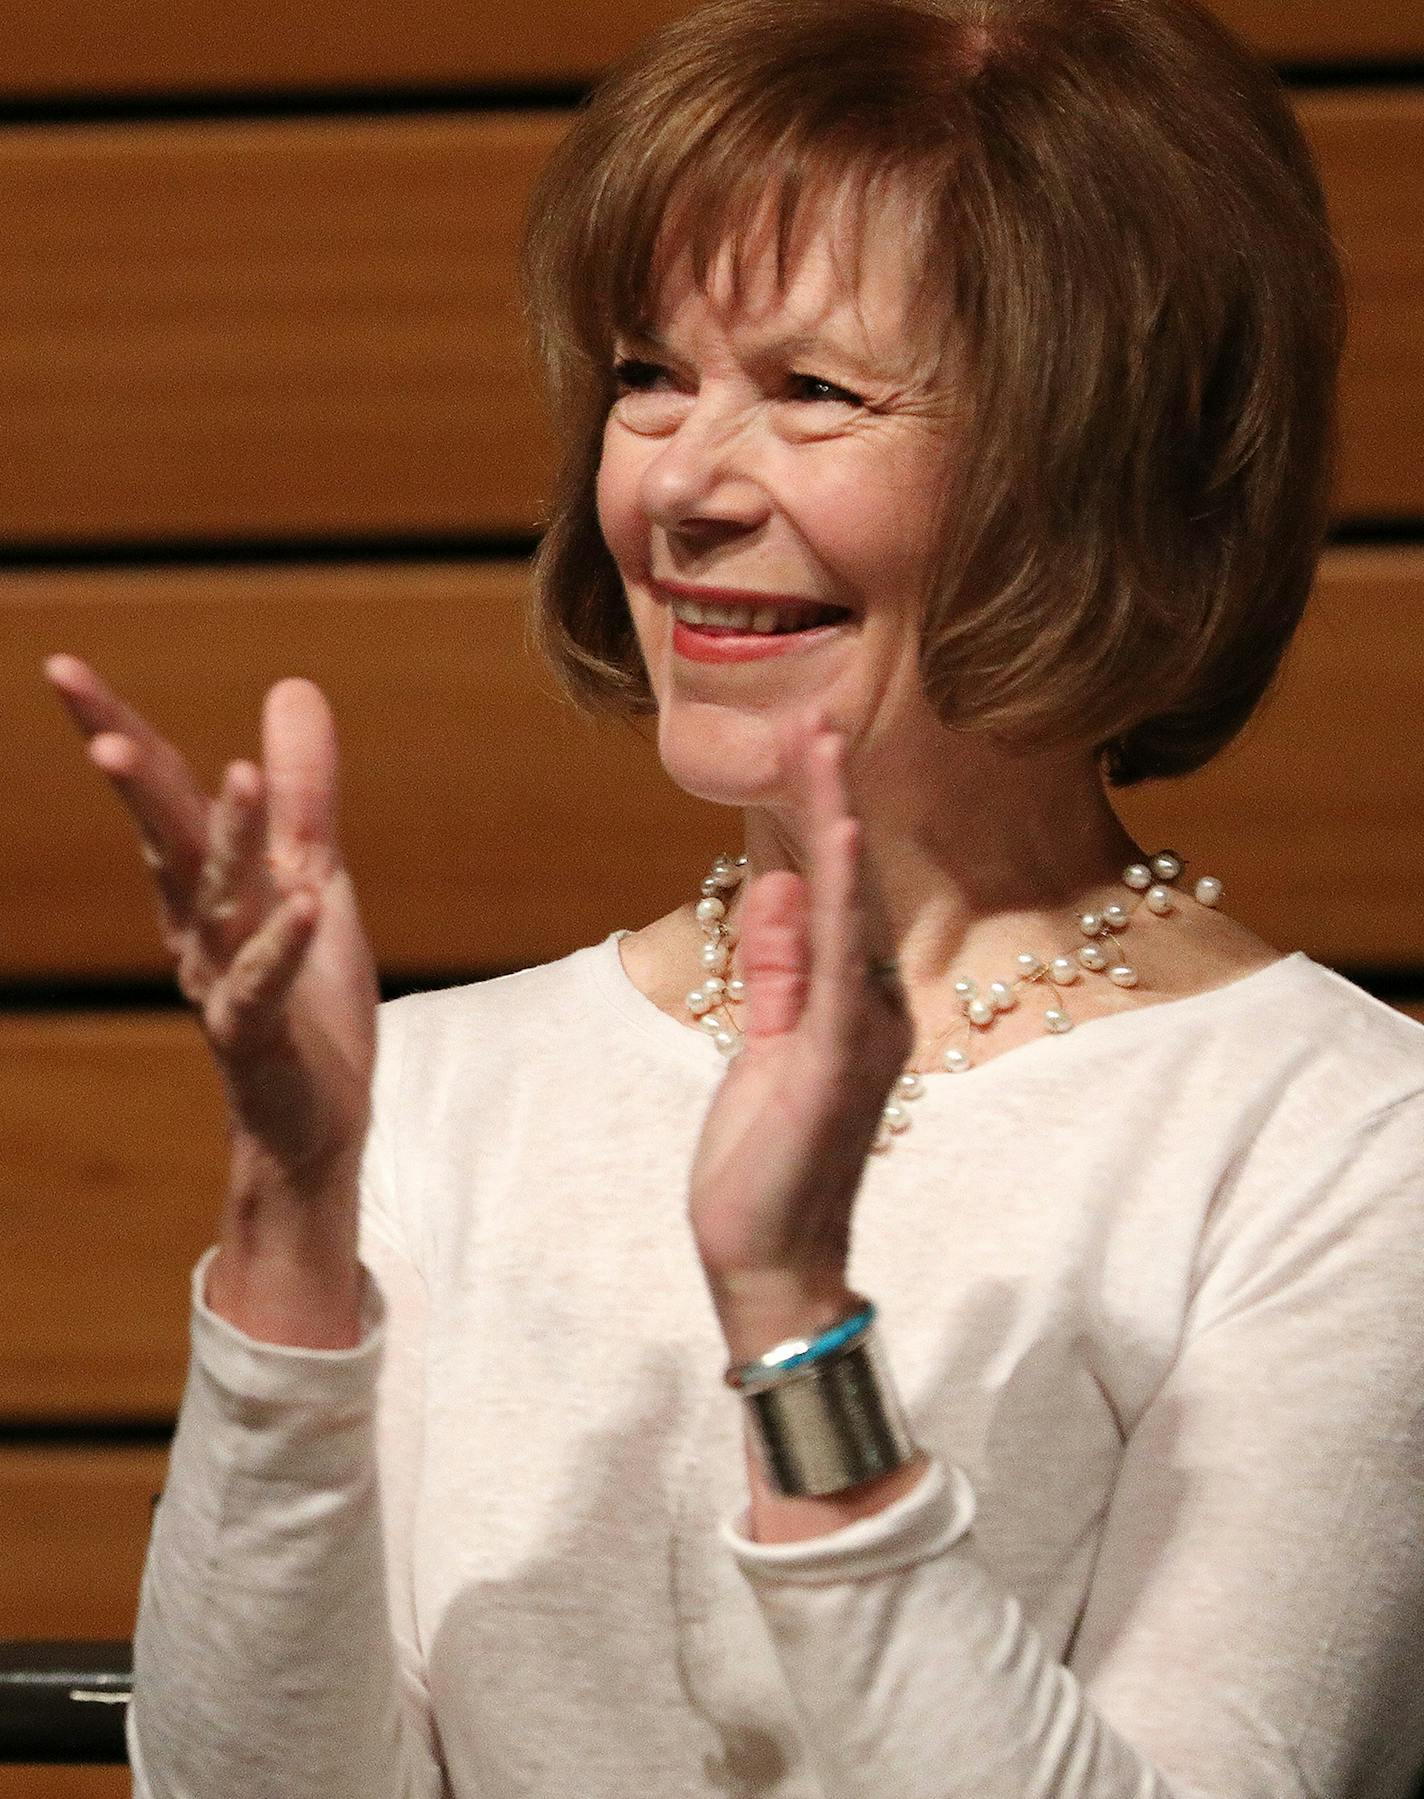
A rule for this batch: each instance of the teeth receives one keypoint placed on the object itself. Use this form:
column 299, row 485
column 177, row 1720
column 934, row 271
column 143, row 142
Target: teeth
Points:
column 761, row 620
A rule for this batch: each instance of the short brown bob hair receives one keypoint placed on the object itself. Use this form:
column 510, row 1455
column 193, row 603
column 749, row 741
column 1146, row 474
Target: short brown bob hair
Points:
column 1124, row 240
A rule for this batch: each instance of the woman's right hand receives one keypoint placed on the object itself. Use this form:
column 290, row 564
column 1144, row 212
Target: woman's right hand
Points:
column 259, row 915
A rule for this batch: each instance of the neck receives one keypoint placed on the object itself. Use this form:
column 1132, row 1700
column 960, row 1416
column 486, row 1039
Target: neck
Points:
column 996, row 856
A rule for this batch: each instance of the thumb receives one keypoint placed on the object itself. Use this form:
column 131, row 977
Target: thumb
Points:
column 775, row 952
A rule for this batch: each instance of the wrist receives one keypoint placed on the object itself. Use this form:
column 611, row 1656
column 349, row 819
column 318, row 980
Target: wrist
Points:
column 823, row 1413
column 288, row 1269
column 760, row 1311
column 774, row 1517
column 275, row 1298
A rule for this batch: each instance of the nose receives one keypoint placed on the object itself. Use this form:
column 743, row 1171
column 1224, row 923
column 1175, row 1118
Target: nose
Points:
column 705, row 473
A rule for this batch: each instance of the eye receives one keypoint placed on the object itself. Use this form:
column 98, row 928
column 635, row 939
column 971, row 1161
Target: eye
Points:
column 829, row 390
column 635, row 377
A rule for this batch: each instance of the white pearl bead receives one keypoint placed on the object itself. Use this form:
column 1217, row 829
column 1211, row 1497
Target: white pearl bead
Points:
column 909, row 1085
column 733, row 1049
column 895, row 1115
column 714, row 957
column 1122, row 975
column 1002, row 996
column 740, row 862
column 1159, row 900
column 1115, row 916
column 697, row 1002
column 1138, row 877
column 1027, row 962
column 1090, row 923
column 1064, row 970
column 1057, row 1021
column 956, row 1061
column 883, row 1139
column 736, row 988
column 965, row 988
column 710, row 885
column 715, row 985
column 1093, row 956
column 710, row 910
column 1166, row 866
column 980, row 1011
column 725, row 1040
column 711, row 1024
column 1209, row 890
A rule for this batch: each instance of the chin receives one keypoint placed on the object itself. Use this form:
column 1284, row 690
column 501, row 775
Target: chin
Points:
column 715, row 753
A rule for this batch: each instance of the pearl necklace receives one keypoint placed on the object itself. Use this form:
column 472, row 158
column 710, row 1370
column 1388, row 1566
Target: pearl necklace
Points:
column 711, row 1003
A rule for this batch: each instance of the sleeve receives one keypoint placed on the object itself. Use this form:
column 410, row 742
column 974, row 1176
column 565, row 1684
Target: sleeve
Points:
column 275, row 1647
column 1253, row 1626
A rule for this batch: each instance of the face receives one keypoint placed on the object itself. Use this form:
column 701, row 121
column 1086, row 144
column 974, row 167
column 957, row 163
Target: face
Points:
column 791, row 450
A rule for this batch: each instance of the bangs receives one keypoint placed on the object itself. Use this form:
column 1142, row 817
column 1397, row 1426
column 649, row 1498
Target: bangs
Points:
column 713, row 168
column 711, row 212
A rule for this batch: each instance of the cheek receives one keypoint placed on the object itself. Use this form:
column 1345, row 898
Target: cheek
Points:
column 616, row 498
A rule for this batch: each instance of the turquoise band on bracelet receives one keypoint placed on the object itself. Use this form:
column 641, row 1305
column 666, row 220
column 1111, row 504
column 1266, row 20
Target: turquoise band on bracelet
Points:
column 801, row 1353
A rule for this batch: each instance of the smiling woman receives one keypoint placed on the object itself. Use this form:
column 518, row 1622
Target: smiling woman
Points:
column 744, row 459
column 947, row 391
column 1145, row 424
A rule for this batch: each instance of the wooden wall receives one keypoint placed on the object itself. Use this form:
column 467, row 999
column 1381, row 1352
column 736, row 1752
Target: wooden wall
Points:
column 266, row 409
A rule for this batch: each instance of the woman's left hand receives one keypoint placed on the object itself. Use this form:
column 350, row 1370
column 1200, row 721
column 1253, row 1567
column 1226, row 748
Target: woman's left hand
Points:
column 785, row 1141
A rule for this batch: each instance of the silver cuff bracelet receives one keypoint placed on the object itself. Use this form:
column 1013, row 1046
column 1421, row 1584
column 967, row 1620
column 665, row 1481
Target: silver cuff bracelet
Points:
column 831, row 1424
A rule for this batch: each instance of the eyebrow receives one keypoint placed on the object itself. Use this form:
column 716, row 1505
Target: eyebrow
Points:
column 793, row 345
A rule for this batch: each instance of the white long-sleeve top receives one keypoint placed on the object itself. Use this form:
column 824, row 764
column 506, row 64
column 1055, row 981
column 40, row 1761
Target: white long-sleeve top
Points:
column 1153, row 1294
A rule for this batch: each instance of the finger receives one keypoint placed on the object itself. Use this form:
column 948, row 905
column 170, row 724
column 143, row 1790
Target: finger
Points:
column 234, row 870
column 171, row 859
column 299, row 754
column 149, row 775
column 775, row 953
column 244, row 1009
column 91, row 702
column 837, row 930
column 849, row 925
column 95, row 708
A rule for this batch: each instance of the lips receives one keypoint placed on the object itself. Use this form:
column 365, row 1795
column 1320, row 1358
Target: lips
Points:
column 716, row 644
column 740, row 624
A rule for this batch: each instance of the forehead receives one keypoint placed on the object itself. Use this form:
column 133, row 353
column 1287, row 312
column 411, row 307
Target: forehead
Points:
column 846, row 265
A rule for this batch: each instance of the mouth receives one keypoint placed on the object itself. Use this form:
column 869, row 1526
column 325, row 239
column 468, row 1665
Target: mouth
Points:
column 720, row 632
column 758, row 621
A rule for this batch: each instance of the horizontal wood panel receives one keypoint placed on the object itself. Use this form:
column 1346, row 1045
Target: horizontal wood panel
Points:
column 302, row 328
column 487, row 825
column 113, row 1166
column 1312, row 817
column 1370, row 147
column 88, row 46
column 65, row 1783
column 74, row 1527
column 257, row 330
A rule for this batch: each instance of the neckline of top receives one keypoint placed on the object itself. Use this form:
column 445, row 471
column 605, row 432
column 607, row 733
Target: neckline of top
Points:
column 697, row 1048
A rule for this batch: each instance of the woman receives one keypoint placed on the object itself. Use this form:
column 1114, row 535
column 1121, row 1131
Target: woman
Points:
column 946, row 390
